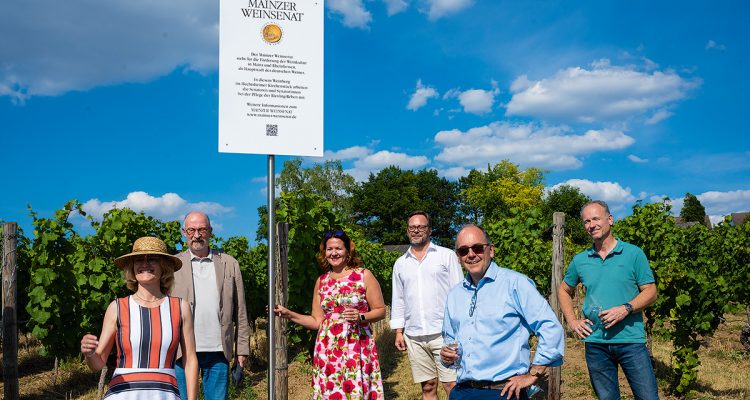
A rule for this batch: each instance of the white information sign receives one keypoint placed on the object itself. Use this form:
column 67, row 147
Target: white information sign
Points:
column 271, row 77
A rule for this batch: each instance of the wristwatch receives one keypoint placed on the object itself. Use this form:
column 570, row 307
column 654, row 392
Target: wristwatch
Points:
column 536, row 373
column 361, row 317
column 629, row 307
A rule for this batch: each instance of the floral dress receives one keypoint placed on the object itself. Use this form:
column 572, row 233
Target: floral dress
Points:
column 345, row 364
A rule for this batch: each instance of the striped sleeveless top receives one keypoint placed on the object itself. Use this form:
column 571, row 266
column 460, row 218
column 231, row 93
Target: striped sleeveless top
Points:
column 147, row 341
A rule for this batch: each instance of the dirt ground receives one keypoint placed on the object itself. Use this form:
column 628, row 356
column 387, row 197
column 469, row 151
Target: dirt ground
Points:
column 724, row 372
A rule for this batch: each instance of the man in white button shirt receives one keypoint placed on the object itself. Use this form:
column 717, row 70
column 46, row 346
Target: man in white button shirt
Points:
column 211, row 283
column 422, row 278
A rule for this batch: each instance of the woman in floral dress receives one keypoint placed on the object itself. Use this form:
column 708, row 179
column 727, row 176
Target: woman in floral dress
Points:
column 346, row 299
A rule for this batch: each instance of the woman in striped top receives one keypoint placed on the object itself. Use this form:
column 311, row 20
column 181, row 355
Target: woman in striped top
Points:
column 146, row 327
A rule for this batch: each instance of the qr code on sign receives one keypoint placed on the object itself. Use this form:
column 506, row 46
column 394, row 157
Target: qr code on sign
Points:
column 272, row 130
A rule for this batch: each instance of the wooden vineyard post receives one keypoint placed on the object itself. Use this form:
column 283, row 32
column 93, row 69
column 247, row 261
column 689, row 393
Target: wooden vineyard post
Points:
column 558, row 256
column 10, row 325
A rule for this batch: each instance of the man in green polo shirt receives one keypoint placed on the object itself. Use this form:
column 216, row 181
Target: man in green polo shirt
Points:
column 619, row 285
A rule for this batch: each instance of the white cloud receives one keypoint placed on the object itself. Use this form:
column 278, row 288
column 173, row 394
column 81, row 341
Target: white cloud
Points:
column 454, row 172
column 603, row 92
column 474, row 101
column 395, row 6
column 477, row 101
column 613, row 193
column 79, row 45
column 420, row 96
column 717, row 204
column 372, row 163
column 441, row 8
column 353, row 12
column 634, row 158
column 724, row 203
column 386, row 158
column 711, row 44
column 347, row 153
column 659, row 116
column 525, row 144
column 169, row 206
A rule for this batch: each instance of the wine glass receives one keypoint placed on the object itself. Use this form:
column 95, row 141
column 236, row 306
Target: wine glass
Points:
column 596, row 309
column 454, row 345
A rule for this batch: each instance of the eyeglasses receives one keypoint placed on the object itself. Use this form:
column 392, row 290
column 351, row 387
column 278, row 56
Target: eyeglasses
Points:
column 334, row 234
column 476, row 248
column 473, row 305
column 417, row 228
column 201, row 231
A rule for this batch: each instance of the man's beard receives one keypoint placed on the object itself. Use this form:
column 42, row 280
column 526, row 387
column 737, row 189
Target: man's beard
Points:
column 419, row 241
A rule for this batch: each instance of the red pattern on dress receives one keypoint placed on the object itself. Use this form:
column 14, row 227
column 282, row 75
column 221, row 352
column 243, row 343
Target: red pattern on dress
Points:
column 345, row 363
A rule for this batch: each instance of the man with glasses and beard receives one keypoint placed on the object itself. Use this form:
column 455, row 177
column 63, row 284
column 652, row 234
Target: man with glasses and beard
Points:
column 422, row 278
column 212, row 284
column 490, row 316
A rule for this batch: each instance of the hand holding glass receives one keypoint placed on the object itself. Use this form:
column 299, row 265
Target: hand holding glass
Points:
column 454, row 346
column 348, row 303
column 594, row 316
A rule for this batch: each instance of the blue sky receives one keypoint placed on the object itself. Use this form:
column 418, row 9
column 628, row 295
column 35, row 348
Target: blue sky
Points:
column 116, row 103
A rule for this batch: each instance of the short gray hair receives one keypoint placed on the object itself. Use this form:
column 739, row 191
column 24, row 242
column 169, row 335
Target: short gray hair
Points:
column 599, row 202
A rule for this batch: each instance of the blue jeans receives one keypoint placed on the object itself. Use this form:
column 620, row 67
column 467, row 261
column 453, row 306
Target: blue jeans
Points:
column 214, row 370
column 602, row 360
column 463, row 392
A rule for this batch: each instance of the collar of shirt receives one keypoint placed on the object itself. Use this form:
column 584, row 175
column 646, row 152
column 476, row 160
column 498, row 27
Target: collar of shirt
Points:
column 591, row 251
column 490, row 275
column 210, row 256
column 430, row 247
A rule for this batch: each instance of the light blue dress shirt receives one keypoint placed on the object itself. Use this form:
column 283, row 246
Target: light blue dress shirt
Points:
column 495, row 338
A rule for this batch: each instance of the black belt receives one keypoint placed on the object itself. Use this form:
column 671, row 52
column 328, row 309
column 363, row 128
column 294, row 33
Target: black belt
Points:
column 484, row 384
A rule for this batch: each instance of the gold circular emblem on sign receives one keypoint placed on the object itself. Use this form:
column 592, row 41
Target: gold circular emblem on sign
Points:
column 272, row 33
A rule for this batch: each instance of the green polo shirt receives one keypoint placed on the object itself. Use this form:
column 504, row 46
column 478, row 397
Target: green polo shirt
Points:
column 611, row 282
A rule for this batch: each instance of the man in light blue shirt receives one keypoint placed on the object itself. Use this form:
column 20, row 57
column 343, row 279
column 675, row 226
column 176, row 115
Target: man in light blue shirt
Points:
column 491, row 314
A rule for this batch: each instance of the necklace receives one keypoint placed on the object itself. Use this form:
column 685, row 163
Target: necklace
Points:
column 148, row 301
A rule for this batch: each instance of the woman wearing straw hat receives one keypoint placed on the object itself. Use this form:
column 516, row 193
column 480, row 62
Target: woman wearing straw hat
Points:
column 146, row 327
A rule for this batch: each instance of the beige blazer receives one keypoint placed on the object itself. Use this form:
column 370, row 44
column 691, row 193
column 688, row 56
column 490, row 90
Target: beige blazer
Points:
column 232, row 310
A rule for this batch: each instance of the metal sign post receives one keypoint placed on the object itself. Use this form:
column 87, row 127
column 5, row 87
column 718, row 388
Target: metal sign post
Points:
column 271, row 95
column 271, row 275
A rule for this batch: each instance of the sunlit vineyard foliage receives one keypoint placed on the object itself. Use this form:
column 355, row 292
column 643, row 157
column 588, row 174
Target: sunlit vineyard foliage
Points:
column 701, row 273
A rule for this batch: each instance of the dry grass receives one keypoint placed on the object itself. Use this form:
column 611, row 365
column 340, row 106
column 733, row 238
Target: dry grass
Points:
column 724, row 372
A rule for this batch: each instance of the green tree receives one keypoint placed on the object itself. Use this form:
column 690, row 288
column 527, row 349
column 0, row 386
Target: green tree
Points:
column 53, row 301
column 492, row 194
column 520, row 245
column 568, row 199
column 327, row 180
column 383, row 202
column 693, row 210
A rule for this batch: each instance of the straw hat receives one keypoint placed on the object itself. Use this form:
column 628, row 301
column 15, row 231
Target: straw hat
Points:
column 148, row 245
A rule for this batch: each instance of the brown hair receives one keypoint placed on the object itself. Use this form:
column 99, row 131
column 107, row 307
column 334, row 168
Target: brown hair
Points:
column 422, row 213
column 352, row 259
column 165, row 283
